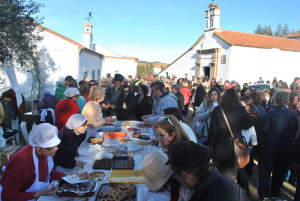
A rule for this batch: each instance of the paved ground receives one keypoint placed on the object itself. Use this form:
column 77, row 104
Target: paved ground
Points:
column 287, row 191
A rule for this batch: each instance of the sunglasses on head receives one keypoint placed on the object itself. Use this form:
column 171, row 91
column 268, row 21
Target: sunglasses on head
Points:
column 166, row 119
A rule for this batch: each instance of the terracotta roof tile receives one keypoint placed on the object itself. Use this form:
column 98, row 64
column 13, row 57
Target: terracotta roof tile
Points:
column 259, row 41
column 294, row 34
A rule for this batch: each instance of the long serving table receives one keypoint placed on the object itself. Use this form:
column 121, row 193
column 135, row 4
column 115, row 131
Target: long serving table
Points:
column 138, row 157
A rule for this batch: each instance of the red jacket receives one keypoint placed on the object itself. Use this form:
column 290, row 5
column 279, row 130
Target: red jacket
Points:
column 63, row 111
column 20, row 175
column 186, row 92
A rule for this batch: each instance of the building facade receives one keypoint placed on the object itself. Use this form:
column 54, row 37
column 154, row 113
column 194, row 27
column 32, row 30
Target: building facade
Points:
column 237, row 56
column 111, row 62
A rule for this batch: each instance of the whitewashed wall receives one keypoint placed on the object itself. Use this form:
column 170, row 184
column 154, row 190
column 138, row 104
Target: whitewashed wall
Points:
column 88, row 63
column 248, row 64
column 123, row 66
column 185, row 65
column 58, row 56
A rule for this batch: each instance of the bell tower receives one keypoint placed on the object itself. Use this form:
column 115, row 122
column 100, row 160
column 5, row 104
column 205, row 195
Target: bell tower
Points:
column 212, row 17
column 88, row 35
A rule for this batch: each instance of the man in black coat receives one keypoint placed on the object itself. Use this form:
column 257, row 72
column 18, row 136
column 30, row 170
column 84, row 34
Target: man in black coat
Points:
column 190, row 165
column 294, row 86
column 278, row 127
column 180, row 98
column 113, row 93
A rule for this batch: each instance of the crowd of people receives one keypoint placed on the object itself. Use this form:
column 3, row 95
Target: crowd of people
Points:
column 197, row 162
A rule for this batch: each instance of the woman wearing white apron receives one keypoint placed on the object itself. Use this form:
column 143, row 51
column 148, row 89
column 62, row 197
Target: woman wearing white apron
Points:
column 28, row 172
column 92, row 111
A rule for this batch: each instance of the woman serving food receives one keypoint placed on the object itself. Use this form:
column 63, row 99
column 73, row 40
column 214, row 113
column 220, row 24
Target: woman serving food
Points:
column 29, row 171
column 92, row 111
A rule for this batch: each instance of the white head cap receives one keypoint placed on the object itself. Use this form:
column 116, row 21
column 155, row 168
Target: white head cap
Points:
column 71, row 91
column 75, row 121
column 44, row 135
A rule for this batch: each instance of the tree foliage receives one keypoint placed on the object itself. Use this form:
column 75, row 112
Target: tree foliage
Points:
column 145, row 69
column 279, row 32
column 18, row 36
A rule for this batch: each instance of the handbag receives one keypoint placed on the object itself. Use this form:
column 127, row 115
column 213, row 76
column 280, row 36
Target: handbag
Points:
column 241, row 155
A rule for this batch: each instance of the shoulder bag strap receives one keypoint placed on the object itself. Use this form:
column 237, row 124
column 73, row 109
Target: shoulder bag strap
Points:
column 227, row 123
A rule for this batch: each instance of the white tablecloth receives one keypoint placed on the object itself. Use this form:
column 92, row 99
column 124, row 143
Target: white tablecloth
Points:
column 142, row 191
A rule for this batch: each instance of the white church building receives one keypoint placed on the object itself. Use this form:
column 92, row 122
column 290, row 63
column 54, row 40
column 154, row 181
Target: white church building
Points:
column 239, row 56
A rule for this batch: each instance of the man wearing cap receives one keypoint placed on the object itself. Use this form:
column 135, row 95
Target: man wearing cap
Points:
column 61, row 87
column 29, row 171
column 163, row 100
column 190, row 165
column 66, row 107
column 113, row 93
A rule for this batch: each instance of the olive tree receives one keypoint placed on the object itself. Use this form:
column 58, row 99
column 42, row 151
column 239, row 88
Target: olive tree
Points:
column 18, row 34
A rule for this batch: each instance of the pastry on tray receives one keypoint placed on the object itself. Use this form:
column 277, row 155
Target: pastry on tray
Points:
column 144, row 137
column 96, row 140
column 136, row 134
column 117, row 192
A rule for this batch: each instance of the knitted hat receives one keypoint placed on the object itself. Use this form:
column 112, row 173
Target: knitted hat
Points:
column 189, row 155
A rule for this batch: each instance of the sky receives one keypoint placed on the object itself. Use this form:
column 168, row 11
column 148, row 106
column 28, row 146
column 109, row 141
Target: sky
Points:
column 160, row 30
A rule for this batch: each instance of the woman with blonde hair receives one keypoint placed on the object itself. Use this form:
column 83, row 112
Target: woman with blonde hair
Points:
column 92, row 111
column 169, row 131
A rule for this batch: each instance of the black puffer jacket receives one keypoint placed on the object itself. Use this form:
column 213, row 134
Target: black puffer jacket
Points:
column 144, row 107
column 129, row 112
column 217, row 187
column 219, row 137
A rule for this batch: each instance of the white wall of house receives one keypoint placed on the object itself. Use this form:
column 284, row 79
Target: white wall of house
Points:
column 58, row 56
column 248, row 64
column 115, row 65
column 185, row 65
column 89, row 64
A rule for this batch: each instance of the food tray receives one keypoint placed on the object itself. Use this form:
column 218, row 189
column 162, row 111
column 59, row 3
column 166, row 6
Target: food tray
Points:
column 144, row 125
column 86, row 189
column 127, row 176
column 123, row 163
column 115, row 135
column 129, row 191
column 144, row 137
column 132, row 129
column 103, row 164
column 90, row 141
